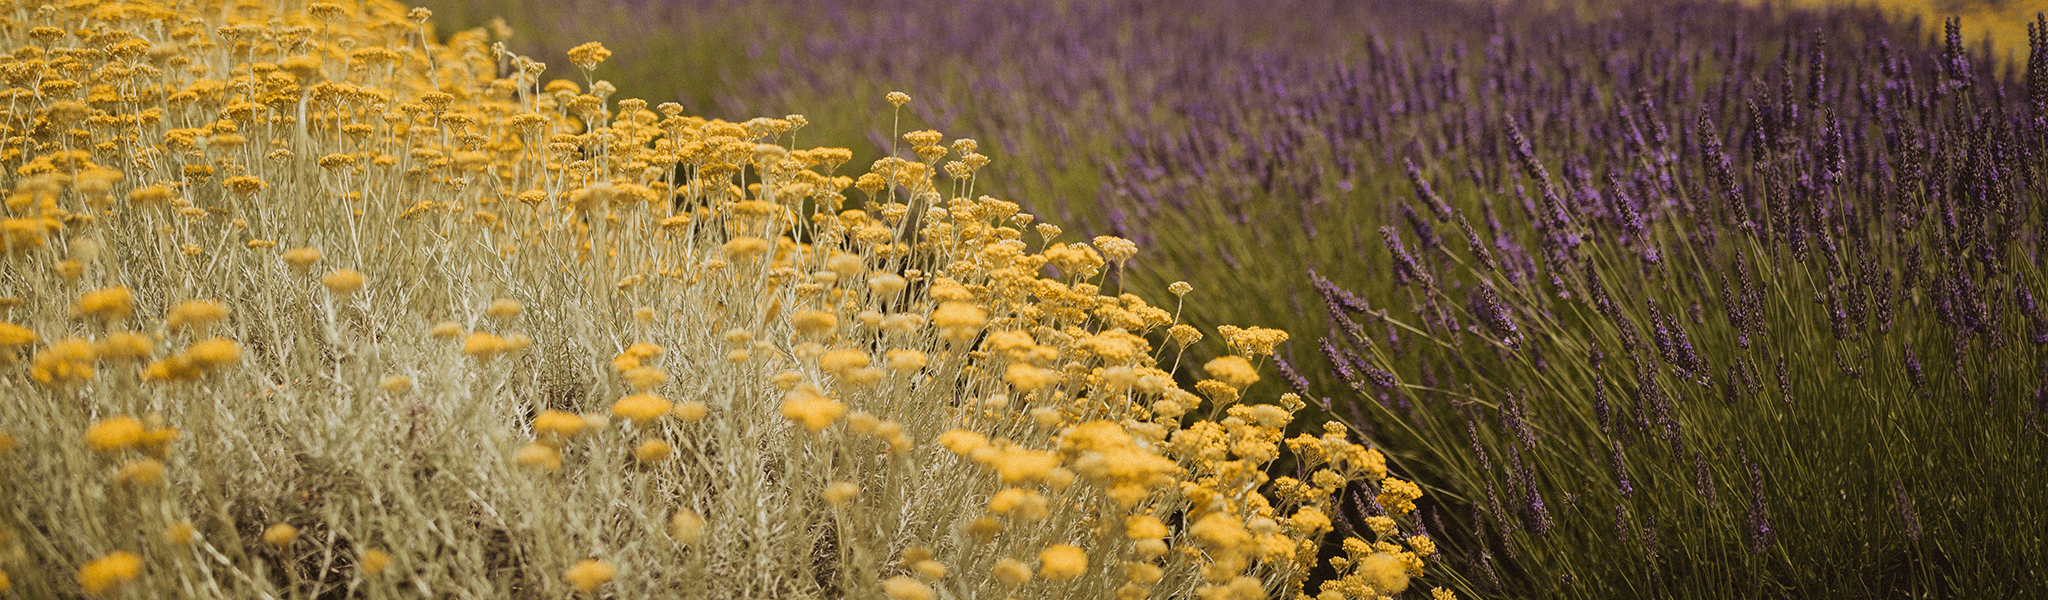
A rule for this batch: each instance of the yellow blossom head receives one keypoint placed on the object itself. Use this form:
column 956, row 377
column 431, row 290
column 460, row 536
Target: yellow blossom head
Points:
column 373, row 561
column 588, row 575
column 107, row 303
column 280, row 535
column 343, row 281
column 196, row 314
column 115, row 433
column 107, row 572
column 1061, row 562
column 641, row 409
column 1233, row 370
column 903, row 587
column 812, row 411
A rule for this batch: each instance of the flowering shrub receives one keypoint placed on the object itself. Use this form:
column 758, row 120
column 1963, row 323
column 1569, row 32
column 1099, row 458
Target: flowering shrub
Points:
column 1740, row 343
column 303, row 303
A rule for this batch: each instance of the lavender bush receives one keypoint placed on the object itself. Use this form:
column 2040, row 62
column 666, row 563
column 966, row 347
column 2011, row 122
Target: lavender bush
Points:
column 1769, row 329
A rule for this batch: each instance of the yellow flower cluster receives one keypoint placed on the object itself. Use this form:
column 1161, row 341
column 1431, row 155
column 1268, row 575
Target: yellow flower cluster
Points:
column 748, row 296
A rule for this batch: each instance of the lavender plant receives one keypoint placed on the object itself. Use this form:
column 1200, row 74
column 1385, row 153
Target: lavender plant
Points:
column 1770, row 330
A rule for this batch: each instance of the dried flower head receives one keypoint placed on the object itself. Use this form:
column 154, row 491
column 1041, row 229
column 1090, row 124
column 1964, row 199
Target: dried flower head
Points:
column 589, row 574
column 373, row 561
column 280, row 535
column 343, row 281
column 905, row 588
column 1061, row 562
column 107, row 572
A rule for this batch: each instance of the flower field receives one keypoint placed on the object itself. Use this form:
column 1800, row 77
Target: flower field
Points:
column 1147, row 299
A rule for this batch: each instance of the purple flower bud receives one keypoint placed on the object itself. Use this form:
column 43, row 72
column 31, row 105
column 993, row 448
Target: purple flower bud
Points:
column 1910, row 518
column 1488, row 308
column 1406, row 267
column 1294, row 378
column 1760, row 533
column 1621, row 479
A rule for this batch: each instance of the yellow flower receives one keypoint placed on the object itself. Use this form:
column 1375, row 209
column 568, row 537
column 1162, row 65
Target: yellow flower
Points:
column 905, row 588
column 1398, row 496
column 743, row 248
column 445, row 329
column 196, row 314
column 962, row 442
column 211, row 353
column 12, row 335
column 1310, row 522
column 64, row 361
column 539, row 456
column 107, row 572
column 280, row 535
column 687, row 527
column 644, row 378
column 110, row 303
column 1026, row 504
column 1422, row 544
column 640, row 408
column 485, row 346
column 841, row 491
column 1027, row 378
column 841, row 362
column 1012, row 572
column 1144, row 573
column 690, row 411
column 373, row 561
column 115, row 433
column 1442, row 594
column 587, row 56
column 886, row 285
column 126, row 345
column 1020, row 464
column 343, row 281
column 503, row 308
column 904, row 361
column 813, row 322
column 1380, row 525
column 653, row 451
column 1254, row 341
column 1271, row 416
column 140, row 472
column 589, row 574
column 557, row 426
column 301, row 258
column 1144, row 527
column 1061, row 562
column 396, row 384
column 813, row 411
column 1233, row 370
column 1384, row 572
column 181, row 533
column 960, row 322
column 1221, row 531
